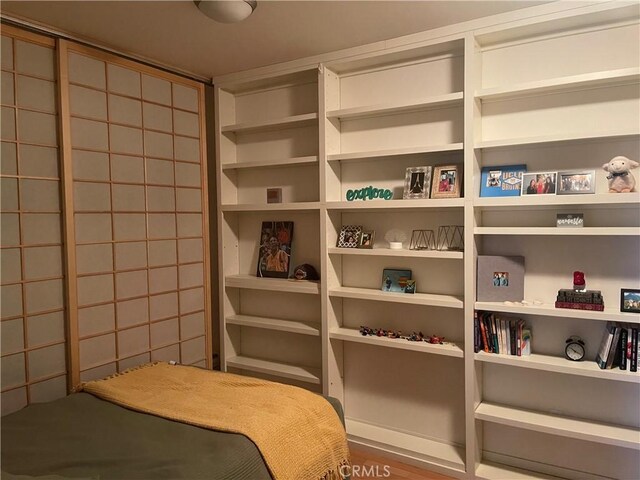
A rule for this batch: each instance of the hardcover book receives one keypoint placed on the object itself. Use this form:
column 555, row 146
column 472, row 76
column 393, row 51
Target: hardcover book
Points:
column 501, row 181
column 605, row 345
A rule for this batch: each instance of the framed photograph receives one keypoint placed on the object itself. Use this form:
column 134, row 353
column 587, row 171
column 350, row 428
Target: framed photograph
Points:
column 394, row 280
column 366, row 239
column 539, row 183
column 274, row 195
column 576, row 182
column 275, row 249
column 349, row 236
column 630, row 300
column 501, row 181
column 410, row 287
column 416, row 182
column 447, row 181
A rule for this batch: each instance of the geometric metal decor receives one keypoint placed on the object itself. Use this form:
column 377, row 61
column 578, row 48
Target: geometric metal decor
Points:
column 451, row 237
column 422, row 240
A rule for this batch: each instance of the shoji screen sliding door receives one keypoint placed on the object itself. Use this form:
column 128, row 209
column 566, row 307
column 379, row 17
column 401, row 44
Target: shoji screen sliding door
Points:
column 104, row 230
column 133, row 157
column 33, row 352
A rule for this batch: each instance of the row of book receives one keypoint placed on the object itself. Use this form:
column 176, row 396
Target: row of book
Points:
column 619, row 347
column 499, row 335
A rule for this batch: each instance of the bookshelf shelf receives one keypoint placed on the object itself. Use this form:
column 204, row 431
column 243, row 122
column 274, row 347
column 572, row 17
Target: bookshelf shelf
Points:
column 495, row 471
column 549, row 140
column 291, row 326
column 391, row 205
column 550, row 363
column 438, row 101
column 604, row 78
column 581, row 429
column 394, row 152
column 602, row 200
column 406, row 445
column 434, row 300
column 352, row 335
column 271, row 207
column 549, row 310
column 272, row 284
column 554, row 231
column 387, row 252
column 277, row 162
column 284, row 370
column 293, row 121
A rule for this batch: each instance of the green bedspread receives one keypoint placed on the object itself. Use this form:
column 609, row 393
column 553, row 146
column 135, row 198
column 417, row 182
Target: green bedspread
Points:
column 83, row 437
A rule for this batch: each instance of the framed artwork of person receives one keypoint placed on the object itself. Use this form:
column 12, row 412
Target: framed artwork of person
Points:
column 275, row 249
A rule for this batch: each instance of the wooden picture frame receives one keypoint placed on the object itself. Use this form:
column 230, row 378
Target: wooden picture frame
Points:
column 446, row 182
column 417, row 181
column 576, row 182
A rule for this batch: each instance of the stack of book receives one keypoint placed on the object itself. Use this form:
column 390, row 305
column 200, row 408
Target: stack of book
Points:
column 506, row 336
column 619, row 347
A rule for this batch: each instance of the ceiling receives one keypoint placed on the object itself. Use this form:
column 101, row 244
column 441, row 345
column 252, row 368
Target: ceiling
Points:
column 176, row 33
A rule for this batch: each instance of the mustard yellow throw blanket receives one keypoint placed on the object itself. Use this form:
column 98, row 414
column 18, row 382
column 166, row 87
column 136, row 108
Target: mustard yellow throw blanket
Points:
column 298, row 433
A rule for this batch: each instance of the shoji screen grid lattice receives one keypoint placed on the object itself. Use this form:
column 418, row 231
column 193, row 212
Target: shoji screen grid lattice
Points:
column 139, row 215
column 33, row 352
column 104, row 234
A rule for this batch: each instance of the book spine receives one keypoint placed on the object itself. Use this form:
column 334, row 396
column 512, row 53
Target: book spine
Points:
column 520, row 327
column 512, row 331
column 633, row 364
column 494, row 333
column 526, row 341
column 605, row 346
column 476, row 329
column 615, row 344
column 483, row 331
column 623, row 349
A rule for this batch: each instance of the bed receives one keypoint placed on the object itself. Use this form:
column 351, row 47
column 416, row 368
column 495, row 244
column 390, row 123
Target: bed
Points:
column 82, row 436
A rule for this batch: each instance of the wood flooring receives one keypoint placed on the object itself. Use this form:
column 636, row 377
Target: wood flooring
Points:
column 367, row 466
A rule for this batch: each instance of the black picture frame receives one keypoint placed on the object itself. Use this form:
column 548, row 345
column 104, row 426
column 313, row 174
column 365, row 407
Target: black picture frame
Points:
column 349, row 236
column 627, row 304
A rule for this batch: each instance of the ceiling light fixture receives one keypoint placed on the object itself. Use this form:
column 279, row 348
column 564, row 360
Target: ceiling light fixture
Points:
column 227, row 11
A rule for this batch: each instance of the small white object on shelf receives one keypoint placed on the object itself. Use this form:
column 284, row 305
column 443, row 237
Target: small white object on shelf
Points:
column 395, row 238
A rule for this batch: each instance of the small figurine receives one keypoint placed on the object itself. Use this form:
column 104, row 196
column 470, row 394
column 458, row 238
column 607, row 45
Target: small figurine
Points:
column 620, row 178
column 364, row 331
column 392, row 334
column 579, row 282
column 435, row 340
column 416, row 337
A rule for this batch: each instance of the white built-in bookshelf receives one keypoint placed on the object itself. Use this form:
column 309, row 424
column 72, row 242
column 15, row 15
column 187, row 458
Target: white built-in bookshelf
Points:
column 551, row 87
